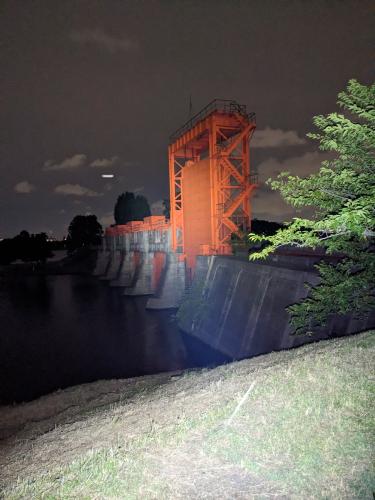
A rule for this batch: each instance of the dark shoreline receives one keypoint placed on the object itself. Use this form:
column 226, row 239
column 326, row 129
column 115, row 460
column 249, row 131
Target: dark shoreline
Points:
column 81, row 262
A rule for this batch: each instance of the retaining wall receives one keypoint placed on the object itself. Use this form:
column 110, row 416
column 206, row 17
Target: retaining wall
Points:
column 238, row 307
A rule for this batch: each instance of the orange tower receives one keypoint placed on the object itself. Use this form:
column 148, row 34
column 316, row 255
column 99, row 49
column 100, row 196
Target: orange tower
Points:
column 210, row 180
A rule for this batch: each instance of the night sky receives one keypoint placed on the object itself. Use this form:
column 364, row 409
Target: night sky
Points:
column 93, row 87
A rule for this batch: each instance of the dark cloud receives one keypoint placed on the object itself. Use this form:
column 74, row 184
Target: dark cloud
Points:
column 276, row 138
column 75, row 190
column 24, row 187
column 75, row 161
column 107, row 219
column 302, row 165
column 99, row 38
column 268, row 204
column 104, row 162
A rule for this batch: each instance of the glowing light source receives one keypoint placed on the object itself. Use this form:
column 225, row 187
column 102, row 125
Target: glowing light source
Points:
column 107, row 176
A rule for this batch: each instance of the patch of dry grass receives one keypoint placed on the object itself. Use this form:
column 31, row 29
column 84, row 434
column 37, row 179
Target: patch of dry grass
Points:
column 305, row 429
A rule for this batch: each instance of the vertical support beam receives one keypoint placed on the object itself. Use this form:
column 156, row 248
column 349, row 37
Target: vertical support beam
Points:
column 213, row 182
column 246, row 174
column 235, row 186
column 172, row 191
column 176, row 201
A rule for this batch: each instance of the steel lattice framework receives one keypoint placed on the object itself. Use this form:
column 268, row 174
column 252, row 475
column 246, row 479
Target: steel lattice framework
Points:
column 219, row 133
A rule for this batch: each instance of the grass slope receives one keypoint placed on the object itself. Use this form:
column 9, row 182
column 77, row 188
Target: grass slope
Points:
column 294, row 424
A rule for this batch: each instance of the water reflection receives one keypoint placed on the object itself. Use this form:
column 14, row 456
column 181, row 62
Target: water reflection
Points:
column 58, row 331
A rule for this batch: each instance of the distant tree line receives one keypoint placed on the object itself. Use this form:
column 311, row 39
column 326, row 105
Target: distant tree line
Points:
column 26, row 247
column 84, row 231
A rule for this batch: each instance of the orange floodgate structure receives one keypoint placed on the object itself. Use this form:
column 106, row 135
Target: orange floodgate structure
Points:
column 210, row 179
column 210, row 189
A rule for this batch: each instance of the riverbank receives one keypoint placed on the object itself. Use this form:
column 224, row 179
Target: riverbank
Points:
column 292, row 424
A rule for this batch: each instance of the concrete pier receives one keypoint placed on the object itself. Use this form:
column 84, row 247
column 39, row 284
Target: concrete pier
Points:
column 172, row 285
column 125, row 277
column 143, row 279
column 114, row 266
column 102, row 263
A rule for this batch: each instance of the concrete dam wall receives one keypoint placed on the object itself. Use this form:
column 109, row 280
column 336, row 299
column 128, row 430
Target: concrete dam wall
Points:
column 233, row 305
column 137, row 258
column 238, row 307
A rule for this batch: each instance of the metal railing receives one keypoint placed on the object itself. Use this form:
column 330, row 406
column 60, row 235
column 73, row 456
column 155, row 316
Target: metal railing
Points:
column 221, row 105
column 253, row 178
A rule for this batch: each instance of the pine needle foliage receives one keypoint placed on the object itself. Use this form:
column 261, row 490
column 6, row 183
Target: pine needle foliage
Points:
column 342, row 196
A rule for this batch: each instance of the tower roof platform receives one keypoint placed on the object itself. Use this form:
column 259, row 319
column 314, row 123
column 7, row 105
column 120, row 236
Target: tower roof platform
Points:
column 193, row 134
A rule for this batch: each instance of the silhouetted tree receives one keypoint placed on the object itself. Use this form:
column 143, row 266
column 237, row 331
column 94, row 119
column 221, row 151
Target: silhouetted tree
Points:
column 29, row 248
column 167, row 208
column 22, row 245
column 84, row 230
column 141, row 207
column 131, row 207
column 123, row 208
column 266, row 227
column 38, row 249
column 8, row 251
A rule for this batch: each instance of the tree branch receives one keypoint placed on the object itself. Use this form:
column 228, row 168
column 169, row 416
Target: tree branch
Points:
column 333, row 193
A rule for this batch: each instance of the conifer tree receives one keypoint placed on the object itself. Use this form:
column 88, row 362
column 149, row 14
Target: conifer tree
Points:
column 131, row 207
column 342, row 195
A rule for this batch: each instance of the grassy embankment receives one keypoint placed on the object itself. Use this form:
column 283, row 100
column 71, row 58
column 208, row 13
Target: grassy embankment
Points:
column 294, row 424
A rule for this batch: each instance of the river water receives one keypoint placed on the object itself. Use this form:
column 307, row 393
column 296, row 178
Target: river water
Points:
column 59, row 331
